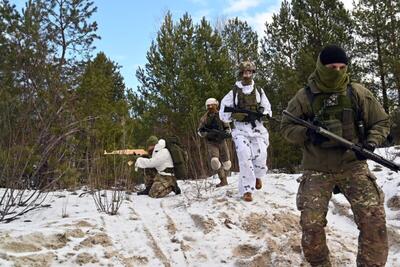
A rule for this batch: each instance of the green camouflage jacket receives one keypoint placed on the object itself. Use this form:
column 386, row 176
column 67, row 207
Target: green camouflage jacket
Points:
column 334, row 159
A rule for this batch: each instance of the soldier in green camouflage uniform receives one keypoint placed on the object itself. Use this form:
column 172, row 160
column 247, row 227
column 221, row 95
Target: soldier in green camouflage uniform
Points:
column 216, row 146
column 351, row 111
column 148, row 174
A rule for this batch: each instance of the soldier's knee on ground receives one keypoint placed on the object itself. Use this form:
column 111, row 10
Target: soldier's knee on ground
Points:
column 215, row 163
column 227, row 165
column 159, row 190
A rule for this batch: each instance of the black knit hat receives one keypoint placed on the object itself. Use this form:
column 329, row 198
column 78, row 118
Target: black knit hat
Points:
column 333, row 54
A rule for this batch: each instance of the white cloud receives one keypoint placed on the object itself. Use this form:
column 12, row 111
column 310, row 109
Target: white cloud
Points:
column 240, row 5
column 257, row 20
column 348, row 4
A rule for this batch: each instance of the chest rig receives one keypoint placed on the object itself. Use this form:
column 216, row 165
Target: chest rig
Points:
column 213, row 122
column 338, row 113
column 248, row 102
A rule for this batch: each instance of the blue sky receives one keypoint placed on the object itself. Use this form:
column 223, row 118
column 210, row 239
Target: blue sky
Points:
column 127, row 27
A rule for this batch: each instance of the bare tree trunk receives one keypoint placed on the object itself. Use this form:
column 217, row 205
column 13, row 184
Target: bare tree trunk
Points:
column 381, row 70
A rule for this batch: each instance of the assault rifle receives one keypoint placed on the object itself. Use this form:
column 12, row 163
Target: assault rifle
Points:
column 215, row 133
column 345, row 143
column 252, row 116
column 135, row 152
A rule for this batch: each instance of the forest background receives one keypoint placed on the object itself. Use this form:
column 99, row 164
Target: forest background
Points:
column 61, row 106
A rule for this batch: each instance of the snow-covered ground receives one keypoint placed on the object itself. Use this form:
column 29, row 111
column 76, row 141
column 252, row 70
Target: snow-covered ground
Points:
column 204, row 226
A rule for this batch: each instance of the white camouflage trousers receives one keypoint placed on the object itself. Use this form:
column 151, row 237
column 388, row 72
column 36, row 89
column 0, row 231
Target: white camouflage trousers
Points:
column 252, row 156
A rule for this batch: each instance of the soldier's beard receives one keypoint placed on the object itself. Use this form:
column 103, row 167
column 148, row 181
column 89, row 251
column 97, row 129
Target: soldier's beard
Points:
column 213, row 110
column 247, row 80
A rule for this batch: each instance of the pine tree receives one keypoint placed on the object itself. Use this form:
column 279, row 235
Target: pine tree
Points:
column 319, row 23
column 371, row 19
column 101, row 95
column 240, row 40
column 69, row 29
column 378, row 49
column 393, row 24
column 42, row 88
column 278, row 57
column 186, row 65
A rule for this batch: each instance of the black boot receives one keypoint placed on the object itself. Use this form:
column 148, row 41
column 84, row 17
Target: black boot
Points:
column 176, row 189
column 145, row 191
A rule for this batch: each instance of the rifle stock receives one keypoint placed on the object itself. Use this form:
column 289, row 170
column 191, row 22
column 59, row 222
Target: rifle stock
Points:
column 345, row 143
column 135, row 152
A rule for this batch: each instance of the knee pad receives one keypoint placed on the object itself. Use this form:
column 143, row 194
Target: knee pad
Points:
column 215, row 164
column 227, row 165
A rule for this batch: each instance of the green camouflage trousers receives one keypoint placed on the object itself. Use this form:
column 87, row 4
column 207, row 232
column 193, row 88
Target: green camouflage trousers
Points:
column 221, row 152
column 162, row 186
column 149, row 175
column 359, row 187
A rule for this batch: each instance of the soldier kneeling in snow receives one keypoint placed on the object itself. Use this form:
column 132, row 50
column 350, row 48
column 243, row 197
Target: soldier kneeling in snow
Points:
column 164, row 181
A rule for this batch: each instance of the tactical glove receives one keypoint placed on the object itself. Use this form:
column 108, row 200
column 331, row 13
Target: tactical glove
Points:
column 370, row 146
column 239, row 116
column 315, row 138
column 201, row 133
column 212, row 136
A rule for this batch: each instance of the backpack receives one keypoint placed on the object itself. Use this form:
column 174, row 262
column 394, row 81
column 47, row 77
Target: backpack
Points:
column 179, row 157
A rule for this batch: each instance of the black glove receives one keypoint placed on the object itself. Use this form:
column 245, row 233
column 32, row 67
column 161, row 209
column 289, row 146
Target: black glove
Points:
column 315, row 138
column 370, row 146
column 212, row 135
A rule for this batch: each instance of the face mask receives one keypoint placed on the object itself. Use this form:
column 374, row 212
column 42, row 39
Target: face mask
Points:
column 330, row 80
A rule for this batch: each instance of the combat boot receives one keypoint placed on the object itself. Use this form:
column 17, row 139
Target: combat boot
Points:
column 145, row 191
column 247, row 197
column 258, row 183
column 176, row 189
column 222, row 177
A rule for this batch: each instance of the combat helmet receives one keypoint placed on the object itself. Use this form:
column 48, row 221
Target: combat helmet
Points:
column 246, row 65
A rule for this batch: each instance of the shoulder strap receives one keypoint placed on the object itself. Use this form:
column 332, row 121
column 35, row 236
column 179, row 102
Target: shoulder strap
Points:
column 259, row 92
column 234, row 92
column 354, row 102
column 311, row 97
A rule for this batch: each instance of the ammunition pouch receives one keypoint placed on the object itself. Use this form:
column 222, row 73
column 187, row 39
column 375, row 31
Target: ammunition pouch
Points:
column 239, row 116
column 334, row 126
